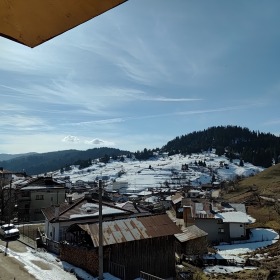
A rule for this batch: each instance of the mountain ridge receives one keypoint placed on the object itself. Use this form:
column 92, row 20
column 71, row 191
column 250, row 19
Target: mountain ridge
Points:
column 260, row 149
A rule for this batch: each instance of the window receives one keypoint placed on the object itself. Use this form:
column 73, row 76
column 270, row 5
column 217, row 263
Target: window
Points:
column 219, row 221
column 25, row 194
column 241, row 225
column 221, row 230
column 39, row 197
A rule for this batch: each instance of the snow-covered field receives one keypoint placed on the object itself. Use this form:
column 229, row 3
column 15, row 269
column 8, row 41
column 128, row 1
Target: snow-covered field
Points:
column 160, row 171
column 260, row 238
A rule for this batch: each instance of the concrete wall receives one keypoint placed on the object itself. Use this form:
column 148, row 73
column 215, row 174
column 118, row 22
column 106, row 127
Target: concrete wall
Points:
column 56, row 231
column 50, row 197
column 217, row 232
column 237, row 230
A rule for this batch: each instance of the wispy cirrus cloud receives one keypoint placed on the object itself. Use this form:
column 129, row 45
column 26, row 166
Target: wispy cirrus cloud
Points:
column 272, row 122
column 22, row 122
column 100, row 122
column 168, row 99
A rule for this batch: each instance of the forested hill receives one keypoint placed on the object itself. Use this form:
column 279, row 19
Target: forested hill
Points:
column 260, row 149
column 45, row 162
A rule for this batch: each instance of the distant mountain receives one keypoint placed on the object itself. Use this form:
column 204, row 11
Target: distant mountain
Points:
column 260, row 149
column 4, row 157
column 38, row 163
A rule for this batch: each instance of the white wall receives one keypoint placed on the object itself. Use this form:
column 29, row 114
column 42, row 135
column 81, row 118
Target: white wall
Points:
column 237, row 230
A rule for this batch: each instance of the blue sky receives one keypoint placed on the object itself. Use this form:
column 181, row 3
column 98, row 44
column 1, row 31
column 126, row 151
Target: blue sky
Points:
column 141, row 74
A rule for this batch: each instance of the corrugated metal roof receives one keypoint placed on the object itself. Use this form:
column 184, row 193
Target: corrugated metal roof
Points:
column 191, row 232
column 176, row 198
column 131, row 229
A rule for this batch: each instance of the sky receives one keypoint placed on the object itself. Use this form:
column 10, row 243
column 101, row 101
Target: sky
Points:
column 142, row 74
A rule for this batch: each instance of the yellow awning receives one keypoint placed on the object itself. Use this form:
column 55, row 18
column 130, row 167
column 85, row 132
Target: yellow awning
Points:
column 33, row 22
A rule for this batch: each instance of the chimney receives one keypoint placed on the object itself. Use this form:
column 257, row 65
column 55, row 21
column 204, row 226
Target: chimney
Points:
column 188, row 215
column 69, row 199
column 56, row 212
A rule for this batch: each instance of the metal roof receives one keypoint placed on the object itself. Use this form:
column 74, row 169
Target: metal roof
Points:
column 176, row 198
column 191, row 232
column 131, row 229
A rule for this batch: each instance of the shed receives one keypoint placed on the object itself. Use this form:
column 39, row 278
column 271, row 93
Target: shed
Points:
column 133, row 244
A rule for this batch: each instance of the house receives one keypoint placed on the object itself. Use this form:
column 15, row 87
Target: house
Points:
column 195, row 193
column 133, row 207
column 38, row 193
column 58, row 218
column 176, row 204
column 130, row 245
column 8, row 196
column 224, row 222
column 191, row 243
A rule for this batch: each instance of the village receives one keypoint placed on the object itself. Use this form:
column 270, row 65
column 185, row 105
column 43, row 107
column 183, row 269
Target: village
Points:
column 147, row 233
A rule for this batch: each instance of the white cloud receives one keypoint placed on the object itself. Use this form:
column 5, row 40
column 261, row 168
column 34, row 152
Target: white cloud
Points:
column 97, row 141
column 71, row 138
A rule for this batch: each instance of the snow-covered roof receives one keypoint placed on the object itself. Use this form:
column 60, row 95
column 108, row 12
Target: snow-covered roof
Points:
column 194, row 191
column 144, row 193
column 91, row 210
column 151, row 199
column 176, row 198
column 41, row 187
column 233, row 217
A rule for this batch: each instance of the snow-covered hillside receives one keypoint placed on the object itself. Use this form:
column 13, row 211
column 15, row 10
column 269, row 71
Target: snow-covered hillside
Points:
column 163, row 171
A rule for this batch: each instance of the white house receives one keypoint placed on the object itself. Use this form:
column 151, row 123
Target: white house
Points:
column 59, row 218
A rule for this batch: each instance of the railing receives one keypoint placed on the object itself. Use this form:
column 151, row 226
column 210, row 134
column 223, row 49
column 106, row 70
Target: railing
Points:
column 147, row 276
column 52, row 246
column 117, row 269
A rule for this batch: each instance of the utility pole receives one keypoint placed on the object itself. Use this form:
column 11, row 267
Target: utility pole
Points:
column 2, row 193
column 10, row 201
column 100, row 251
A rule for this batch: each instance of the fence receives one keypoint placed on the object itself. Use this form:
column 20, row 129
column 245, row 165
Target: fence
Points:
column 52, row 246
column 147, row 276
column 117, row 270
column 29, row 234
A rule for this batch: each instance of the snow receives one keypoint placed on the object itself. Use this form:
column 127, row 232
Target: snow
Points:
column 138, row 176
column 233, row 217
column 225, row 269
column 260, row 238
column 56, row 269
column 94, row 207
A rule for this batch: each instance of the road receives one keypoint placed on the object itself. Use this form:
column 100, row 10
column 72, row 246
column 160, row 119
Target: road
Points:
column 11, row 268
column 17, row 262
